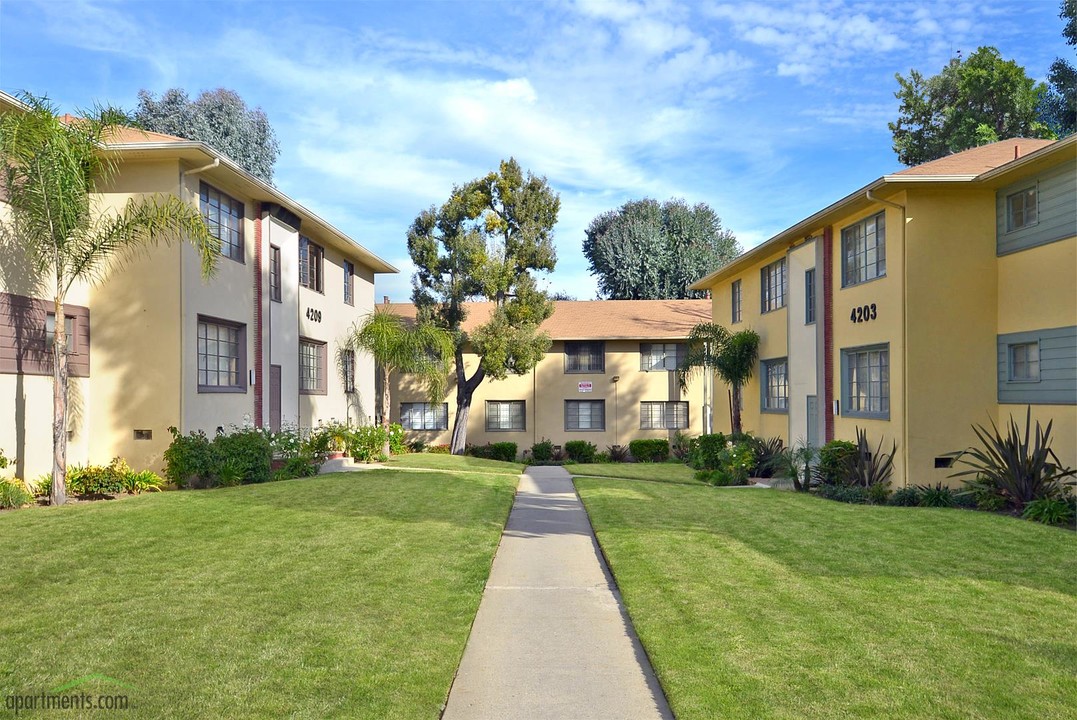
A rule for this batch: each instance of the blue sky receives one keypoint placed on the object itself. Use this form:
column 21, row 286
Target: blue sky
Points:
column 767, row 111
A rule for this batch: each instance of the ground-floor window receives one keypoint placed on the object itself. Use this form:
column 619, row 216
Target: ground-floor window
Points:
column 775, row 384
column 424, row 416
column 221, row 356
column 312, row 367
column 663, row 415
column 866, row 381
column 585, row 414
column 505, row 415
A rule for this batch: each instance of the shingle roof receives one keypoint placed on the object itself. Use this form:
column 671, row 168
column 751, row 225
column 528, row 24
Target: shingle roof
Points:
column 978, row 159
column 122, row 135
column 603, row 319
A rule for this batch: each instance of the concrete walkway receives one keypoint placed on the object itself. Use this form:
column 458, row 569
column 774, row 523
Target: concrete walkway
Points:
column 552, row 639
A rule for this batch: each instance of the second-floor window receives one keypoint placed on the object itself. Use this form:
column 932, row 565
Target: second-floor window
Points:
column 311, row 260
column 735, row 301
column 809, row 296
column 863, row 250
column 584, row 357
column 1021, row 209
column 772, row 284
column 274, row 273
column 349, row 283
column 224, row 218
column 660, row 356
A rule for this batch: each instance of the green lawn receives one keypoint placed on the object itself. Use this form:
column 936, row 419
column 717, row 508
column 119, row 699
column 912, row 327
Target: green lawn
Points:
column 659, row 472
column 335, row 596
column 767, row 604
column 442, row 461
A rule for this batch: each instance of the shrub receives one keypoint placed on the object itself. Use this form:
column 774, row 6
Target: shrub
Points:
column 438, row 449
column 618, row 453
column 982, row 494
column 504, row 451
column 542, row 451
column 603, row 458
column 1020, row 469
column 581, row 451
column 98, row 479
column 14, row 494
column 42, row 486
column 230, row 472
column 417, row 446
column 398, row 444
column 835, row 463
column 681, row 447
column 938, row 496
column 300, row 466
column 766, row 449
column 4, row 459
column 364, row 443
column 190, row 461
column 905, row 497
column 721, row 478
column 705, row 449
column 140, row 482
column 844, row 493
column 649, row 450
column 1051, row 511
column 247, row 452
column 794, row 463
column 286, row 443
column 878, row 493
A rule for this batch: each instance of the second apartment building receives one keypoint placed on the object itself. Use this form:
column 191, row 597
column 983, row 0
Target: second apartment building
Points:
column 931, row 299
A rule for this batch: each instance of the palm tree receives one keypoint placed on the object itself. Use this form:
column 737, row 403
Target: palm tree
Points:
column 731, row 356
column 50, row 168
column 401, row 346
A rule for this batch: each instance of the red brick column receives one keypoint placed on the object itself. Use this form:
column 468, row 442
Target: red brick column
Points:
column 258, row 331
column 828, row 331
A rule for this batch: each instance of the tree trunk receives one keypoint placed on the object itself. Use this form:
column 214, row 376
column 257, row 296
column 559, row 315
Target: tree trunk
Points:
column 465, row 390
column 386, row 407
column 736, row 408
column 58, row 493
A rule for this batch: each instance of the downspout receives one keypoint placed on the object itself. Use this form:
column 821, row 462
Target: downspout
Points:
column 904, row 328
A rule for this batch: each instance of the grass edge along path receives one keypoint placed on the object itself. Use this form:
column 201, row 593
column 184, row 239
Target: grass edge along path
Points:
column 771, row 604
column 340, row 595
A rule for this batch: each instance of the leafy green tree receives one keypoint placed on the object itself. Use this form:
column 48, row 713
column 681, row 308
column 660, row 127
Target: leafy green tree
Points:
column 971, row 102
column 50, row 169
column 420, row 349
column 485, row 243
column 1058, row 107
column 218, row 118
column 731, row 356
column 646, row 250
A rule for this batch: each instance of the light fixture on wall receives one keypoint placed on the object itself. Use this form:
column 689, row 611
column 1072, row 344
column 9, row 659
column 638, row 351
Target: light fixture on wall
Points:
column 615, row 378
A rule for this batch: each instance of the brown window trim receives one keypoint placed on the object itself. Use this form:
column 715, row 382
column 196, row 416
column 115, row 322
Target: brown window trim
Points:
column 204, row 188
column 312, row 248
column 275, row 291
column 241, row 370
column 23, row 348
column 323, row 367
column 574, row 348
column 349, row 283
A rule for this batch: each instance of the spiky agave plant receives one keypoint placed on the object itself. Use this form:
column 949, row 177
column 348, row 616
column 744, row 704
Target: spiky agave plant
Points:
column 871, row 468
column 1021, row 465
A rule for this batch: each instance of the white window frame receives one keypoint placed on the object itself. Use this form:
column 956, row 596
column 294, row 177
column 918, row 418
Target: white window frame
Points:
column 1023, row 196
column 1029, row 349
column 863, row 251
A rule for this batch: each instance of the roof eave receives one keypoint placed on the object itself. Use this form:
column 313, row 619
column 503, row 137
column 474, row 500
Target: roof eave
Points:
column 375, row 263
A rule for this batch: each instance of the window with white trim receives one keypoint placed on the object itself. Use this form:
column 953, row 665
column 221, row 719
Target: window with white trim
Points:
column 866, row 381
column 505, row 415
column 663, row 415
column 660, row 356
column 773, row 282
column 585, row 414
column 1024, row 362
column 775, row 384
column 863, row 250
column 1021, row 209
column 424, row 416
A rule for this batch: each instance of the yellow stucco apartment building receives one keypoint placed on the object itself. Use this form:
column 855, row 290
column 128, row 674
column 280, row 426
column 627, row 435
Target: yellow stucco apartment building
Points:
column 157, row 346
column 931, row 299
column 608, row 378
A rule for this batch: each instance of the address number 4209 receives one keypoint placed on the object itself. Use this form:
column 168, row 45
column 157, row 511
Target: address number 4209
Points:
column 863, row 313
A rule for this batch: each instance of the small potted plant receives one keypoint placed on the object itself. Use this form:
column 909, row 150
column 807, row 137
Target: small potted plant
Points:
column 338, row 443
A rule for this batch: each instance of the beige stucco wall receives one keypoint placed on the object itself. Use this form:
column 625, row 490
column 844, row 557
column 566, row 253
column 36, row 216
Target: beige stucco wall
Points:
column 546, row 390
column 803, row 350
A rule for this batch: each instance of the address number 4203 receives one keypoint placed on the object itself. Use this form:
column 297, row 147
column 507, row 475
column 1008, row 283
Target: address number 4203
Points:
column 863, row 313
